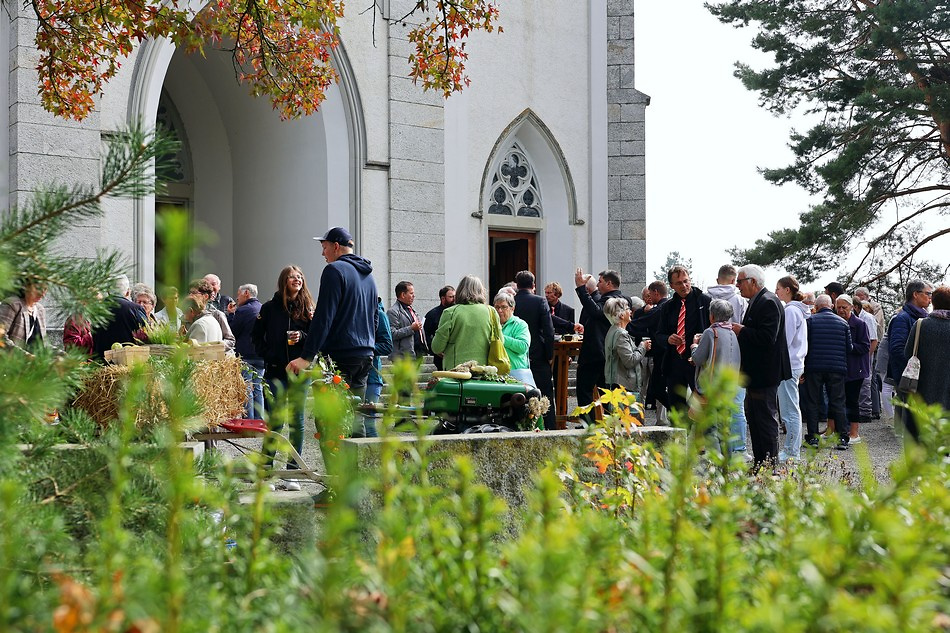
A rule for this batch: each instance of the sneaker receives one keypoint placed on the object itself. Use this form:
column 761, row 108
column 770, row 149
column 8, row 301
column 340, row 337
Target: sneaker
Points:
column 812, row 442
column 855, row 440
column 842, row 444
column 290, row 485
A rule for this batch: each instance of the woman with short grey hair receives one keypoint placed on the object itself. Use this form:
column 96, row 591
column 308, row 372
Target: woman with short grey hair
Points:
column 467, row 328
column 718, row 347
column 621, row 356
column 516, row 336
column 143, row 295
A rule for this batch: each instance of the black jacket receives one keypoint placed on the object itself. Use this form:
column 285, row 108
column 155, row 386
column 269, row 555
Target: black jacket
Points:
column 563, row 318
column 126, row 319
column 765, row 361
column 429, row 326
column 242, row 322
column 534, row 311
column 595, row 324
column 270, row 336
column 697, row 320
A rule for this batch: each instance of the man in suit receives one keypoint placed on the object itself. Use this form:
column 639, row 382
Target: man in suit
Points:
column 562, row 315
column 431, row 322
column 408, row 337
column 645, row 322
column 125, row 319
column 590, row 361
column 682, row 317
column 534, row 311
column 765, row 360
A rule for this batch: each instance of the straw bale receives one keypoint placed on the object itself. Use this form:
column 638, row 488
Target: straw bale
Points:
column 217, row 383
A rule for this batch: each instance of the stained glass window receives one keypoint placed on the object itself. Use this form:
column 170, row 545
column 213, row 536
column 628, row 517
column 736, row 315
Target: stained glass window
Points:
column 514, row 188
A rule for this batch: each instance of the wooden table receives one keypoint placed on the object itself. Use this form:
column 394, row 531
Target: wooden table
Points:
column 564, row 351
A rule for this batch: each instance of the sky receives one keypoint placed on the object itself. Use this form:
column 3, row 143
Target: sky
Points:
column 706, row 136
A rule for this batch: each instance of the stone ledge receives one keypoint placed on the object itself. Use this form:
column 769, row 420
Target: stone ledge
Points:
column 505, row 462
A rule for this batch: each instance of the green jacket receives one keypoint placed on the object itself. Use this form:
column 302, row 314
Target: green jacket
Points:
column 517, row 341
column 465, row 331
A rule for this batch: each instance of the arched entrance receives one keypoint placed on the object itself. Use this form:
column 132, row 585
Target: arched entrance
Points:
column 264, row 186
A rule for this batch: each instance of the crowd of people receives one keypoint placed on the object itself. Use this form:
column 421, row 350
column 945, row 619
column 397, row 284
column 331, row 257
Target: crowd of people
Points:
column 804, row 358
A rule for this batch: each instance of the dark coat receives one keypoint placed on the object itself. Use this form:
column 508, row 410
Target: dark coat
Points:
column 242, row 322
column 934, row 354
column 595, row 325
column 765, row 360
column 125, row 320
column 563, row 318
column 829, row 343
column 534, row 311
column 859, row 360
column 270, row 337
column 897, row 334
column 697, row 320
column 429, row 326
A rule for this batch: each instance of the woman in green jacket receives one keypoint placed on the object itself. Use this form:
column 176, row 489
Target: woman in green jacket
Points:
column 517, row 338
column 465, row 329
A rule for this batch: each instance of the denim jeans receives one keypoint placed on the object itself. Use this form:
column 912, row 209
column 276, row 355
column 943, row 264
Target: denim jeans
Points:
column 294, row 415
column 253, row 374
column 790, row 409
column 738, row 429
column 373, row 392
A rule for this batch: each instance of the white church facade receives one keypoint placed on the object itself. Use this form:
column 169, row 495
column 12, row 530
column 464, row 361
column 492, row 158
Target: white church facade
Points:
column 538, row 164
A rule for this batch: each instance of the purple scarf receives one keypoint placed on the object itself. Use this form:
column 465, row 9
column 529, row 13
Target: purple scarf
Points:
column 940, row 314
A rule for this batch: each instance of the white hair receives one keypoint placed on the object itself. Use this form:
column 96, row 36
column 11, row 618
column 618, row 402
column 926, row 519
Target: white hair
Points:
column 590, row 283
column 823, row 301
column 636, row 303
column 504, row 295
column 862, row 291
column 752, row 271
column 120, row 284
column 251, row 289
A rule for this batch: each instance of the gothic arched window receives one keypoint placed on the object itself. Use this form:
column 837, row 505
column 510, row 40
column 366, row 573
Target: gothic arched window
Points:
column 514, row 188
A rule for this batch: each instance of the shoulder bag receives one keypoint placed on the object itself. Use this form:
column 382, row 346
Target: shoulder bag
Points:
column 911, row 375
column 497, row 354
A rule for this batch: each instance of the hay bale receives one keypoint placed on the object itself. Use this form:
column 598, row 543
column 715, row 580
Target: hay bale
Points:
column 218, row 385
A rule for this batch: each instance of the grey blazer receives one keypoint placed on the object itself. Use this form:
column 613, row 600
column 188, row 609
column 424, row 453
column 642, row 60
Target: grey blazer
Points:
column 14, row 319
column 403, row 334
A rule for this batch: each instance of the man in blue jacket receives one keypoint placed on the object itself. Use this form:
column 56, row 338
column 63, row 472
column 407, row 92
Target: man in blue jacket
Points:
column 826, row 366
column 917, row 299
column 242, row 320
column 344, row 324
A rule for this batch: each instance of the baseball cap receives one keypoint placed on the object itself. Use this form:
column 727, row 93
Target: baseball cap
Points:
column 338, row 235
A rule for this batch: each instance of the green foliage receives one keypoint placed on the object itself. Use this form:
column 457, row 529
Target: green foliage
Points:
column 875, row 75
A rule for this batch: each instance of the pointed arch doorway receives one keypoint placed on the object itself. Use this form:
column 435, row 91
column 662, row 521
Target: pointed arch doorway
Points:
column 510, row 252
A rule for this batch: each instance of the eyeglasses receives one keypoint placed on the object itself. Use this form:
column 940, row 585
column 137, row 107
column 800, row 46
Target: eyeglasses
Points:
column 739, row 281
column 504, row 307
column 929, row 294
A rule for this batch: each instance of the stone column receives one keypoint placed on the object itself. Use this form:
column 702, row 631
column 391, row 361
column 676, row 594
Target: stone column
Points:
column 626, row 167
column 416, row 172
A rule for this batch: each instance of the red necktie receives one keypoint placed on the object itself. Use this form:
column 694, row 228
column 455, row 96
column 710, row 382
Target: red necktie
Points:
column 681, row 328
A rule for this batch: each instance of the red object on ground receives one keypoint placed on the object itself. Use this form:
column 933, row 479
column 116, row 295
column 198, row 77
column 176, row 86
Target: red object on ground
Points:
column 239, row 425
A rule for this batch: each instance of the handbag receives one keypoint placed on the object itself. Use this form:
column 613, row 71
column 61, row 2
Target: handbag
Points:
column 697, row 400
column 911, row 375
column 497, row 354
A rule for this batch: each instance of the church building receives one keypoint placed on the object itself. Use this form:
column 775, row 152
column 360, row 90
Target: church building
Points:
column 538, row 164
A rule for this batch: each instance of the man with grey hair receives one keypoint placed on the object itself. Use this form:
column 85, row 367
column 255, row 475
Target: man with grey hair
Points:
column 765, row 360
column 125, row 320
column 826, row 367
column 917, row 298
column 242, row 320
column 218, row 301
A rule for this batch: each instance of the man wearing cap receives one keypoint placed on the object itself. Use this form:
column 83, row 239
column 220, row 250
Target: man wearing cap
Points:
column 344, row 324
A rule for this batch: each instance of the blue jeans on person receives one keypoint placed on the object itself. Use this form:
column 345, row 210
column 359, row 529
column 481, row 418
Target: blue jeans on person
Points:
column 277, row 400
column 373, row 392
column 790, row 409
column 253, row 373
column 738, row 426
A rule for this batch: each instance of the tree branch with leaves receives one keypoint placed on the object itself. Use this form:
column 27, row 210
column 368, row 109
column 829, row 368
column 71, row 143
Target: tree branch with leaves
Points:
column 877, row 73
